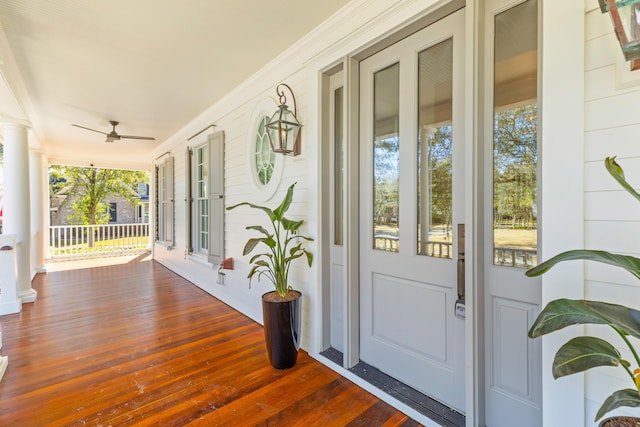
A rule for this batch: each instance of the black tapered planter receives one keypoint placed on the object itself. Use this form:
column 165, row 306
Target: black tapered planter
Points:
column 282, row 328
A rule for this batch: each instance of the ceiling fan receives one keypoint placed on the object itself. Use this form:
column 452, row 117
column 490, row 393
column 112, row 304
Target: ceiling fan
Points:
column 113, row 135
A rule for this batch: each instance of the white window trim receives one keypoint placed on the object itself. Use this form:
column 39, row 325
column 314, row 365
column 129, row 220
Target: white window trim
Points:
column 197, row 218
column 165, row 203
column 213, row 254
column 259, row 192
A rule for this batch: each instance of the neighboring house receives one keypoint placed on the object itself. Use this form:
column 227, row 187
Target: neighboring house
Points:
column 494, row 84
column 121, row 210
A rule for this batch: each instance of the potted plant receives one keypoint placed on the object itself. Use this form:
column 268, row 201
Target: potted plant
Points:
column 281, row 307
column 585, row 352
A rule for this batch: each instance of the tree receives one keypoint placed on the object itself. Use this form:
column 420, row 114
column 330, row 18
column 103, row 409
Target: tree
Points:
column 515, row 161
column 93, row 186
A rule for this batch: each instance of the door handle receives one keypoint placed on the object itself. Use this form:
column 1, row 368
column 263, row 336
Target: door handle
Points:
column 461, row 262
column 460, row 311
column 461, row 279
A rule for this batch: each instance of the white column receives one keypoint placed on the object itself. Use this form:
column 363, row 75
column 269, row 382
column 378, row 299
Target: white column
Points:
column 39, row 210
column 17, row 203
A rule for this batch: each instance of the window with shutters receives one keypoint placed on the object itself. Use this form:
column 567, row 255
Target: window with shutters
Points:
column 201, row 199
column 165, row 202
column 205, row 206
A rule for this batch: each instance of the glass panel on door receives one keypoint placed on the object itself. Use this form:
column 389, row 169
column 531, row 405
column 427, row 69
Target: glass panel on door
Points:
column 515, row 137
column 435, row 150
column 338, row 168
column 386, row 159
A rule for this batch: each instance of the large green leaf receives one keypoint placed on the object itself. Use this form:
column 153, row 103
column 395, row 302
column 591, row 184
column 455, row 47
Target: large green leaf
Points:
column 258, row 228
column 284, row 206
column 618, row 174
column 268, row 211
column 561, row 313
column 582, row 353
column 291, row 225
column 627, row 397
column 629, row 263
column 252, row 243
column 255, row 257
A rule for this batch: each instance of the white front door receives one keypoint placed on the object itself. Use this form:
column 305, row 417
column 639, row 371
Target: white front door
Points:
column 411, row 202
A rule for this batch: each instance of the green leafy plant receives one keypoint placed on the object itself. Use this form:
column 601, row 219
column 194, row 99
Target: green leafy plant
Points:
column 282, row 241
column 585, row 352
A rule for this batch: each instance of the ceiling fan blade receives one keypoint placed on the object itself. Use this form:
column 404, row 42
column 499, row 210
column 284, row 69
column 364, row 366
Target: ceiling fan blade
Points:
column 93, row 130
column 148, row 138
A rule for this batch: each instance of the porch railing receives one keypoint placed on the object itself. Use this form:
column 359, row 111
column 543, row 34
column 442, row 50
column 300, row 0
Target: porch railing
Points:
column 515, row 257
column 76, row 241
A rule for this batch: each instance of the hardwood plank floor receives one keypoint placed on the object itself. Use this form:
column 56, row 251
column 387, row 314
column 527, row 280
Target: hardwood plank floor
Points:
column 135, row 344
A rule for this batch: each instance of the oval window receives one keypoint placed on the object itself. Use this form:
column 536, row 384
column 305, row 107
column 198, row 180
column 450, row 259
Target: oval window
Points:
column 265, row 158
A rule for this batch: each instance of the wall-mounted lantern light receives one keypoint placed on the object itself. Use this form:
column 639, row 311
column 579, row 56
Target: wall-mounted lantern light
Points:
column 625, row 15
column 283, row 128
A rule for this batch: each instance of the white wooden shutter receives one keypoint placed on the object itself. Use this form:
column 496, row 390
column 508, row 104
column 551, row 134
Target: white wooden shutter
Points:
column 216, row 197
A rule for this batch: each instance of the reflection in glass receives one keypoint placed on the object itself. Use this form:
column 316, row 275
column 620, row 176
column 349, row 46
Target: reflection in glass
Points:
column 386, row 159
column 515, row 137
column 264, row 156
column 435, row 150
column 338, row 161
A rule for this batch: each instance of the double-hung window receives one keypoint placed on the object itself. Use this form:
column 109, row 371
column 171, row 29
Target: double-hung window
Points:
column 165, row 202
column 202, row 199
column 205, row 203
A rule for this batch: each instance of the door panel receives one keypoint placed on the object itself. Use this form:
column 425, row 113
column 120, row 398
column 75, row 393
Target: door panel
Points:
column 411, row 195
column 337, row 306
column 336, row 207
column 424, row 304
column 513, row 361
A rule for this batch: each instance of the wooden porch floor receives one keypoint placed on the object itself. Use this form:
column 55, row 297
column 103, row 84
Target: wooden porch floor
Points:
column 135, row 344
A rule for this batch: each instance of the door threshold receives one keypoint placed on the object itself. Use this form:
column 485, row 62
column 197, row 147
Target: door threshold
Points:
column 411, row 397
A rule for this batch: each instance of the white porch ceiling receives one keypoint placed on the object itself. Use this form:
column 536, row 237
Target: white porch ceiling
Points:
column 151, row 65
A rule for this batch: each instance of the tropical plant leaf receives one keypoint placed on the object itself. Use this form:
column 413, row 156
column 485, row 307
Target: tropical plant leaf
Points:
column 309, row 257
column 618, row 174
column 629, row 263
column 292, row 257
column 624, row 319
column 268, row 211
column 262, row 263
column 627, row 397
column 295, row 248
column 256, row 256
column 286, row 202
column 258, row 228
column 252, row 243
column 561, row 313
column 252, row 271
column 582, row 353
column 291, row 225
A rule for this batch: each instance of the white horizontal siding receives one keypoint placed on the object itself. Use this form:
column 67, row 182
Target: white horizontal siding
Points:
column 612, row 216
column 621, row 141
column 597, row 178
